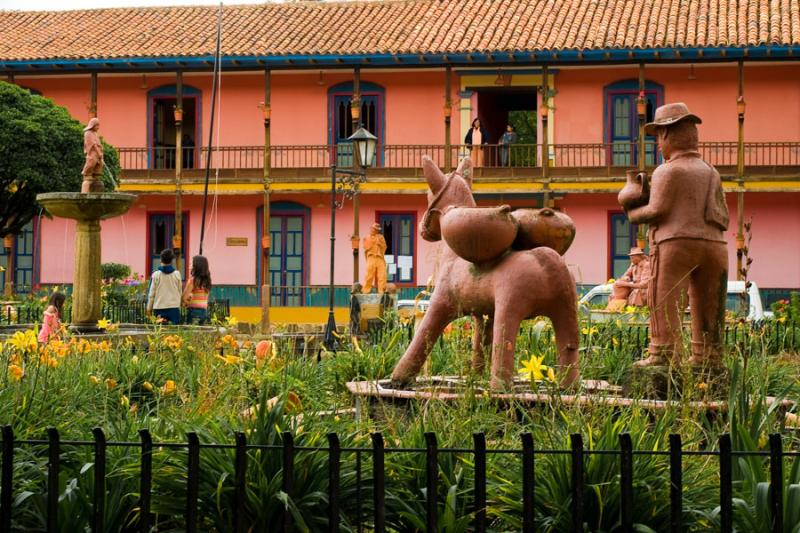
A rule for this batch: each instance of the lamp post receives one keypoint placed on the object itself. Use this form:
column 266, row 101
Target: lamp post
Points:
column 363, row 143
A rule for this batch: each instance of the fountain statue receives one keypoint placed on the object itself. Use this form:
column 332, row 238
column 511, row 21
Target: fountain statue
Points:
column 87, row 209
column 499, row 266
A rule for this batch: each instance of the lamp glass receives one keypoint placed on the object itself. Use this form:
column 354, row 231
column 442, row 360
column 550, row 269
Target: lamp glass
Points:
column 364, row 142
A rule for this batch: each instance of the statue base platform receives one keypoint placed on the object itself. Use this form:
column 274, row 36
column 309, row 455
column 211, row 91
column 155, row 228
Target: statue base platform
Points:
column 367, row 310
column 666, row 382
column 369, row 395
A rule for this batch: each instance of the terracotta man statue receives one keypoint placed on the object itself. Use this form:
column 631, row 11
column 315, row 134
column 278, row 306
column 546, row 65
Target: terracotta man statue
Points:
column 637, row 277
column 93, row 149
column 374, row 248
column 687, row 214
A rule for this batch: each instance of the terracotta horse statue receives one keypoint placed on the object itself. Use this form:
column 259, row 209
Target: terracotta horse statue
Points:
column 512, row 287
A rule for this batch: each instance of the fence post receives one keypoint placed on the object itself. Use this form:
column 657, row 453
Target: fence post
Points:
column 528, row 525
column 239, row 479
column 431, row 475
column 576, row 442
column 776, row 481
column 334, row 470
column 676, row 484
column 378, row 488
column 145, row 480
column 479, row 440
column 98, row 510
column 192, row 481
column 288, row 475
column 53, row 464
column 7, row 479
column 725, row 484
column 626, row 482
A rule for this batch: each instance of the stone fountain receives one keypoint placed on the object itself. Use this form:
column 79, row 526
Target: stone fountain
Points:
column 87, row 209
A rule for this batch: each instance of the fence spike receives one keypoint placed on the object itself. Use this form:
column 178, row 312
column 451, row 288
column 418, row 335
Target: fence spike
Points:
column 479, row 440
column 53, row 467
column 776, row 481
column 7, row 478
column 98, row 510
column 378, row 488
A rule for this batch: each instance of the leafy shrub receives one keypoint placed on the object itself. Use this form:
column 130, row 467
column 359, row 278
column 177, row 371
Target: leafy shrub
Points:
column 114, row 271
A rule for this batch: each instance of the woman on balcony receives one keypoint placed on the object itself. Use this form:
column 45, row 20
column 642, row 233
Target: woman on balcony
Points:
column 476, row 136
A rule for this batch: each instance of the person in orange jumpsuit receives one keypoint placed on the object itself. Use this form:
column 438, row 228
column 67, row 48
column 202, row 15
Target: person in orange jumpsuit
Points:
column 374, row 248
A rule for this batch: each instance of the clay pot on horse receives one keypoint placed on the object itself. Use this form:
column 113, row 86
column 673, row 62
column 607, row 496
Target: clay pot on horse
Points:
column 543, row 227
column 479, row 234
column 515, row 286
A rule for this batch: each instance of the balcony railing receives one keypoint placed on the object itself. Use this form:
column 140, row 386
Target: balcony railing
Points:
column 570, row 156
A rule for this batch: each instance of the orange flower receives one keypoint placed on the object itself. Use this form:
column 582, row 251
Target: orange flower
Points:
column 15, row 372
column 168, row 388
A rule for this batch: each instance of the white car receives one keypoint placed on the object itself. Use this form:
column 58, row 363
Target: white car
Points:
column 593, row 302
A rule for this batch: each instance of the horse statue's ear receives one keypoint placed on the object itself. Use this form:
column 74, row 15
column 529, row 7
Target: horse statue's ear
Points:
column 433, row 175
column 465, row 171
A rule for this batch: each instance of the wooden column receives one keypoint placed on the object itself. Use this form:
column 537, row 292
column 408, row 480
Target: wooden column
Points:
column 265, row 235
column 8, row 244
column 448, row 112
column 93, row 97
column 355, row 110
column 641, row 111
column 544, row 111
column 740, row 108
column 177, row 238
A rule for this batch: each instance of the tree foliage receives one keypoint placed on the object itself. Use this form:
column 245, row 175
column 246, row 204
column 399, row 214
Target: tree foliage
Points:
column 41, row 150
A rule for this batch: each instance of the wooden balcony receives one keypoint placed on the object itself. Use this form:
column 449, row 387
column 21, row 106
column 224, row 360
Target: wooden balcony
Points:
column 593, row 167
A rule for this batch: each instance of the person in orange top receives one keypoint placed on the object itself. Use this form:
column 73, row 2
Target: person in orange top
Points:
column 195, row 294
column 51, row 321
column 374, row 248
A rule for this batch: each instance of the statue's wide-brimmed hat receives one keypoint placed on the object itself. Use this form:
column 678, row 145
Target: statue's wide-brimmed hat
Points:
column 670, row 114
column 92, row 123
column 636, row 251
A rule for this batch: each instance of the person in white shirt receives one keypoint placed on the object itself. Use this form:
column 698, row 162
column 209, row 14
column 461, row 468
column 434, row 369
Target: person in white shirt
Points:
column 164, row 295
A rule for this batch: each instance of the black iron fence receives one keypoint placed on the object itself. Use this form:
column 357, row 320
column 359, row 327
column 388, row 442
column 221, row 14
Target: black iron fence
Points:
column 132, row 312
column 625, row 456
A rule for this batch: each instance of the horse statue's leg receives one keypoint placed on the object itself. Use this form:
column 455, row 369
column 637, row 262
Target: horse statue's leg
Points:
column 565, row 326
column 436, row 318
column 505, row 328
column 481, row 342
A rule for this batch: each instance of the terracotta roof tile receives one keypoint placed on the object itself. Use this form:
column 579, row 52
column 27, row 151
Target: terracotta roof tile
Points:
column 398, row 27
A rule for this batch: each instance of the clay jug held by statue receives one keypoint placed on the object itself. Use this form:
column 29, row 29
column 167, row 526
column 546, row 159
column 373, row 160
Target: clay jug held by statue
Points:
column 636, row 191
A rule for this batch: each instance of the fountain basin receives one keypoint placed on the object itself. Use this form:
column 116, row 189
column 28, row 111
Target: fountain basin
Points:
column 86, row 207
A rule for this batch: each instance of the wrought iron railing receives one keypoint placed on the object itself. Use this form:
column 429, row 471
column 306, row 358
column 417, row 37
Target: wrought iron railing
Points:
column 571, row 156
column 356, row 485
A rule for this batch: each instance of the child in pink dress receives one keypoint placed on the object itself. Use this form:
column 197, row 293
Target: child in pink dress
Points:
column 51, row 321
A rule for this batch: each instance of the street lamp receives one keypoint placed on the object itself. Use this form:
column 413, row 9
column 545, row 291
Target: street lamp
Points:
column 363, row 143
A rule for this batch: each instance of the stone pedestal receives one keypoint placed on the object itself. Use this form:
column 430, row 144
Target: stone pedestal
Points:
column 664, row 382
column 87, row 210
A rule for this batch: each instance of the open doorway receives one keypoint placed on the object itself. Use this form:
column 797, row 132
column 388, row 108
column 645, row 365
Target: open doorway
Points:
column 499, row 107
column 162, row 140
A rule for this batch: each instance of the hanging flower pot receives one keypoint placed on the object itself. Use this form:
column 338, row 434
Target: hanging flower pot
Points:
column 178, row 115
column 8, row 242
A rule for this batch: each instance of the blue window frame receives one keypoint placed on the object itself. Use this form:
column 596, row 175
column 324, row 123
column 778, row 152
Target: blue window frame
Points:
column 24, row 260
column 288, row 227
column 161, row 228
column 622, row 122
column 398, row 230
column 341, row 119
column 622, row 239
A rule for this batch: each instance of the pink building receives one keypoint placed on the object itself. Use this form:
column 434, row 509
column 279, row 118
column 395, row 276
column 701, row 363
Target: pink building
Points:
column 418, row 73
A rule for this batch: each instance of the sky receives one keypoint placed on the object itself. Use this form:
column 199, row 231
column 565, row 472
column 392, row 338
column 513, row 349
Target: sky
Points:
column 57, row 5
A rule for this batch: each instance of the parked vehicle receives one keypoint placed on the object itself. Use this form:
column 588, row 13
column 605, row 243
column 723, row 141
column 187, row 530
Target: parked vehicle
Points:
column 593, row 304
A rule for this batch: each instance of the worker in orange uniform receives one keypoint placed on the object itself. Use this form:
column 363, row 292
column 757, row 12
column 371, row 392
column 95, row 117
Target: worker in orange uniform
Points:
column 374, row 248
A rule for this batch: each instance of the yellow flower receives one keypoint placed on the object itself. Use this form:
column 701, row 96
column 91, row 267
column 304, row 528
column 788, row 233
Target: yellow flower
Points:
column 533, row 368
column 135, row 359
column 105, row 346
column 52, row 362
column 702, row 386
column 111, row 383
column 147, row 386
column 630, row 309
column 585, row 331
column 610, row 281
column 168, row 388
column 103, row 323
column 229, row 359
column 124, row 401
column 173, row 342
column 231, row 321
column 24, row 341
column 614, row 341
column 551, row 375
column 782, row 319
column 15, row 372
column 94, row 380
